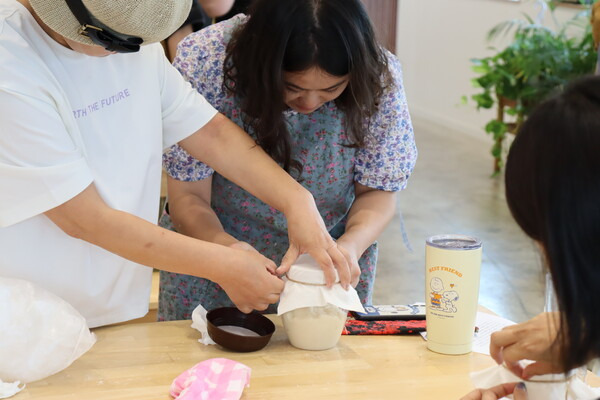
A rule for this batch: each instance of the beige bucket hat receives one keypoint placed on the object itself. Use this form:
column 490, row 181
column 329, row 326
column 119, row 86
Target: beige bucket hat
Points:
column 151, row 20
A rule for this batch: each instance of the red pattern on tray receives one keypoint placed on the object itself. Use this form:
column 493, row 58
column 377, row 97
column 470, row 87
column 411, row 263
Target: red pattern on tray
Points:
column 356, row 327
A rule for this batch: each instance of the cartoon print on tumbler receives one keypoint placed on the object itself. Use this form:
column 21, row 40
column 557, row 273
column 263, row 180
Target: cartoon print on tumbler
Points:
column 440, row 299
column 437, row 286
column 448, row 298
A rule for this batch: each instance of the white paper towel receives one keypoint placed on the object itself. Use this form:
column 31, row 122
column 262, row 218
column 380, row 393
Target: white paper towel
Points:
column 199, row 323
column 543, row 387
column 315, row 293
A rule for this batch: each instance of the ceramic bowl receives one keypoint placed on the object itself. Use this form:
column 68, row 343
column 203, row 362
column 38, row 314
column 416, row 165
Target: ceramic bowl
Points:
column 224, row 328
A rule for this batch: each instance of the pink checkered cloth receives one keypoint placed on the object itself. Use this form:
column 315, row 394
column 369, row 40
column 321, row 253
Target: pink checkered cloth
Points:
column 212, row 379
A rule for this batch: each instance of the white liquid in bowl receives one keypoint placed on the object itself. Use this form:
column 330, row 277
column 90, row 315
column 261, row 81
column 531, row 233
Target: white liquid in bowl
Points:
column 238, row 330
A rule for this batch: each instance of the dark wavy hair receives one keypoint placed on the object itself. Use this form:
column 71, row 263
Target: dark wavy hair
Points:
column 295, row 35
column 553, row 191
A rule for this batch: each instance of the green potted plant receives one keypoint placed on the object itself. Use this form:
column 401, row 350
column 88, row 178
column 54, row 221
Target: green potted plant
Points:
column 537, row 63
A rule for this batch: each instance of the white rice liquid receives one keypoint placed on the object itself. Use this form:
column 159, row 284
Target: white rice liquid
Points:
column 238, row 330
column 314, row 328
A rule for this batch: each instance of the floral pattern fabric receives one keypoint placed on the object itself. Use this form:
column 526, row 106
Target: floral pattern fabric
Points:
column 330, row 169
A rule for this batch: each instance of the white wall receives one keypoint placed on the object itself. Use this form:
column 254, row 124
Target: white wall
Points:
column 436, row 40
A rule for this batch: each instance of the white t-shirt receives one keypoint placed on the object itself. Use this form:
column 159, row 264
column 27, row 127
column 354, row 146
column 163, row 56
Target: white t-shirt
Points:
column 67, row 120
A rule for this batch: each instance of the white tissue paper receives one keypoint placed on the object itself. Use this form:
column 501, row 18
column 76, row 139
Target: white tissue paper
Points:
column 9, row 389
column 40, row 333
column 298, row 295
column 543, row 387
column 199, row 323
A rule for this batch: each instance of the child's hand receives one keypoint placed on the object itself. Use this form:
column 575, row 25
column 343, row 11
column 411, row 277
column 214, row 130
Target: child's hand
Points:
column 518, row 390
column 531, row 340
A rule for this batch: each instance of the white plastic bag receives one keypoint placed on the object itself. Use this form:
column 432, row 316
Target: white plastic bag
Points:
column 40, row 334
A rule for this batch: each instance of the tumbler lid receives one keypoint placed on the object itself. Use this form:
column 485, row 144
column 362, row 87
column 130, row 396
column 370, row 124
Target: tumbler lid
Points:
column 454, row 242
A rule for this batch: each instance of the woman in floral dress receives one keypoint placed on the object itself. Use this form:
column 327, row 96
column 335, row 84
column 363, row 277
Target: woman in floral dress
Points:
column 308, row 81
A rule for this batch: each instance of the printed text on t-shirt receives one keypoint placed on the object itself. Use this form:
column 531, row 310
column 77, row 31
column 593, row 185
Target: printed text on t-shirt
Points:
column 102, row 103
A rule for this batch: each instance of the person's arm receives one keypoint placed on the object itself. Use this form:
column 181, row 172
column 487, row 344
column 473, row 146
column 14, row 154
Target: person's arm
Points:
column 371, row 211
column 247, row 278
column 535, row 340
column 231, row 152
column 216, row 8
column 192, row 215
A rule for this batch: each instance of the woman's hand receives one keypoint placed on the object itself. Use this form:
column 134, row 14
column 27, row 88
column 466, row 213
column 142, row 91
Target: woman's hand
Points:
column 349, row 251
column 249, row 279
column 308, row 234
column 531, row 340
column 371, row 211
column 518, row 390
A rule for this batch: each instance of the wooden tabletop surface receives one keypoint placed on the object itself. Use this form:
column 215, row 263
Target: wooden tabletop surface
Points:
column 139, row 361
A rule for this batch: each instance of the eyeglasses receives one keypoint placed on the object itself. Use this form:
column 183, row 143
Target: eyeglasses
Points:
column 101, row 34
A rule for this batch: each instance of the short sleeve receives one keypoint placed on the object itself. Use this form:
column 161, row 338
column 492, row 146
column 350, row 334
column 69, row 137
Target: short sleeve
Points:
column 388, row 158
column 180, row 165
column 41, row 166
column 200, row 58
column 184, row 110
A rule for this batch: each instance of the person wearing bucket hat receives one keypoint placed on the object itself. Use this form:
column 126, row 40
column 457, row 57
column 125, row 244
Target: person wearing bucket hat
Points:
column 88, row 101
column 150, row 21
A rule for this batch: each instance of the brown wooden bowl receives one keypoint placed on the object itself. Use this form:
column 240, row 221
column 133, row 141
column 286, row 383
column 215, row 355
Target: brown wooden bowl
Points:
column 231, row 316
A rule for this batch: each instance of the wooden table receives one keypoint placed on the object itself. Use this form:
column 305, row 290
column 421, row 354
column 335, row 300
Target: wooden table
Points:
column 139, row 361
